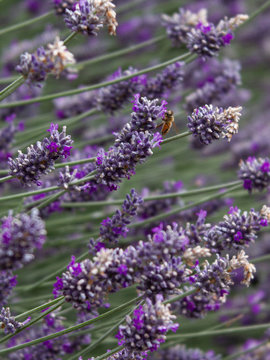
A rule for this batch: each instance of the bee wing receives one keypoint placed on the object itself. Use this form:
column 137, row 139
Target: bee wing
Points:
column 176, row 128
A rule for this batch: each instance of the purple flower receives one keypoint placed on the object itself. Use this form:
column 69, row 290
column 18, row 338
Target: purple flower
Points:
column 88, row 16
column 112, row 228
column 40, row 157
column 255, row 174
column 61, row 6
column 9, row 324
column 210, row 123
column 21, row 235
column 180, row 352
column 7, row 283
column 148, row 327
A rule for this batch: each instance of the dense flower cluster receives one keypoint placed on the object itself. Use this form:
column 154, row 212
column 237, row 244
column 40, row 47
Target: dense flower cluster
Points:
column 200, row 36
column 132, row 145
column 62, row 5
column 7, row 283
column 255, row 173
column 237, row 230
column 147, row 329
column 20, row 236
column 210, row 123
column 226, row 76
column 88, row 16
column 164, row 82
column 53, row 60
column 116, row 226
column 40, row 158
column 113, row 97
column 9, row 324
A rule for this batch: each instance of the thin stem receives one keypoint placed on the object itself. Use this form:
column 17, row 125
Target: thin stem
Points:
column 70, row 37
column 6, row 178
column 152, row 198
column 39, row 308
column 260, row 259
column 258, row 11
column 244, row 352
column 51, row 199
column 26, row 23
column 60, row 302
column 99, row 85
column 176, row 137
column 77, row 162
column 107, row 354
column 117, row 53
column 179, row 209
column 217, row 332
column 70, row 329
column 11, row 87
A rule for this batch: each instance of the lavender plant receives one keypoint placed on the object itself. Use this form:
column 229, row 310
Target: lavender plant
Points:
column 119, row 234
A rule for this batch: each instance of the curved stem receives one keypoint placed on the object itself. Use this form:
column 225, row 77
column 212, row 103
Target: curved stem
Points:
column 6, row 178
column 11, row 87
column 70, row 329
column 176, row 137
column 99, row 85
column 179, row 209
column 152, row 198
column 39, row 308
column 59, row 303
column 26, row 23
column 70, row 37
column 117, row 53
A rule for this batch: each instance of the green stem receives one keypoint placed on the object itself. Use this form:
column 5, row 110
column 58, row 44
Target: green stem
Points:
column 39, row 308
column 152, row 198
column 60, row 302
column 217, row 332
column 107, row 354
column 260, row 259
column 51, row 199
column 176, row 137
column 179, row 209
column 70, row 37
column 244, row 352
column 26, row 23
column 99, row 85
column 11, row 87
column 121, row 52
column 70, row 329
column 258, row 11
column 6, row 178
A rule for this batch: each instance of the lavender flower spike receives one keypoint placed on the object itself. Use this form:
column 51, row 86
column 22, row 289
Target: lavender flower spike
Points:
column 20, row 236
column 40, row 158
column 53, row 60
column 148, row 327
column 89, row 16
column 210, row 123
column 112, row 228
column 9, row 324
column 121, row 162
column 255, row 173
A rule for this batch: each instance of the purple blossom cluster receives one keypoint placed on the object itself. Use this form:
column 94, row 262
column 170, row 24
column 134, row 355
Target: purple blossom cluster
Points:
column 20, row 236
column 53, row 60
column 147, row 329
column 181, row 352
column 9, row 324
column 40, row 158
column 88, row 16
column 199, row 35
column 132, row 145
column 62, row 5
column 209, row 123
column 255, row 173
column 116, row 226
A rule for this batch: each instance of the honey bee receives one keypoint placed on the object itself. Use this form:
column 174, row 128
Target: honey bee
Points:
column 167, row 122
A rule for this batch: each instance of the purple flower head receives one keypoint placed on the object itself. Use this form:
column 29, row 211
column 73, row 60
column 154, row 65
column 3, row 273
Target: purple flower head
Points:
column 21, row 236
column 255, row 174
column 238, row 236
column 9, row 324
column 122, row 269
column 39, row 159
column 227, row 38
